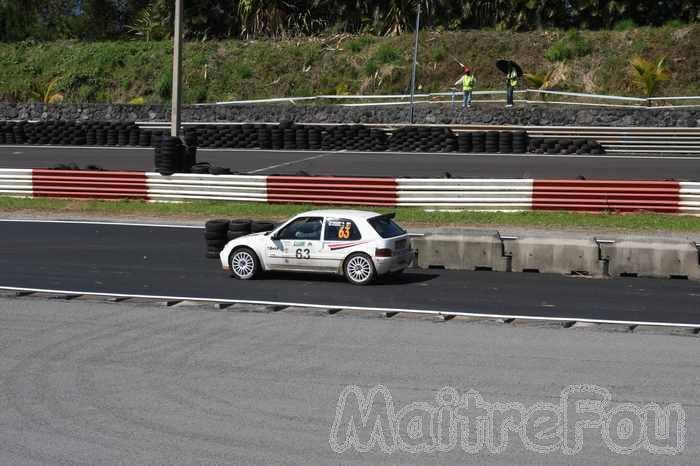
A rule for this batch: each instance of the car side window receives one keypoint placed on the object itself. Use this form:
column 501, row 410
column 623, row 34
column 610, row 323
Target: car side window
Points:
column 340, row 229
column 308, row 228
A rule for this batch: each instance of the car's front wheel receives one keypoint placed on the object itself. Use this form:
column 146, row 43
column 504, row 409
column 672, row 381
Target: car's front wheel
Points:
column 359, row 269
column 244, row 263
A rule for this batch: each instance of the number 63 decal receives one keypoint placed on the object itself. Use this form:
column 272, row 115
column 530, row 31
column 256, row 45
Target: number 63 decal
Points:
column 344, row 233
column 303, row 254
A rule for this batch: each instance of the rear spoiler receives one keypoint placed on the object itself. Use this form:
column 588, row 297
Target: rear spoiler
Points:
column 389, row 216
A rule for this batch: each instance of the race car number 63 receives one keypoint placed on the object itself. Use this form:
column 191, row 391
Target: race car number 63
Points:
column 303, row 254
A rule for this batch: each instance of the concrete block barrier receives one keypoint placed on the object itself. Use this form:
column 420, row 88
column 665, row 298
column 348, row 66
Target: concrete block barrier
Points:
column 556, row 255
column 461, row 251
column 659, row 259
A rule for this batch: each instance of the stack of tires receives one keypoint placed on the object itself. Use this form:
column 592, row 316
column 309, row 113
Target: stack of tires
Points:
column 13, row 133
column 216, row 236
column 276, row 138
column 264, row 137
column 218, row 233
column 423, row 139
column 315, row 138
column 464, row 143
column 354, row 138
column 260, row 226
column 289, row 139
column 505, row 142
column 519, row 142
column 492, row 142
column 565, row 146
column 302, row 138
column 145, row 138
column 479, row 142
column 169, row 156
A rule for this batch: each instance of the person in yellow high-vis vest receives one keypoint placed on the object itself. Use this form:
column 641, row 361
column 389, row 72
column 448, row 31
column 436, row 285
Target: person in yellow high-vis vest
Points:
column 511, row 84
column 468, row 80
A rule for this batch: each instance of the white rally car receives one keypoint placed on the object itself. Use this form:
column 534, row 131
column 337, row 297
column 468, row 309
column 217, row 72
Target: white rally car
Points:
column 358, row 245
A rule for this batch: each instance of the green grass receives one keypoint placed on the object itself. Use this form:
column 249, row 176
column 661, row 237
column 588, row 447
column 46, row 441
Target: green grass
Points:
column 641, row 222
column 119, row 71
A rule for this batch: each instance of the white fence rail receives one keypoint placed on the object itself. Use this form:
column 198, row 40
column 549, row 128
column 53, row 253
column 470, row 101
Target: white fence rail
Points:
column 482, row 194
column 180, row 187
column 16, row 182
column 690, row 198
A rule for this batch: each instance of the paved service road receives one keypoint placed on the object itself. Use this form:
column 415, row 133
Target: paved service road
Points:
column 376, row 164
column 89, row 383
column 170, row 262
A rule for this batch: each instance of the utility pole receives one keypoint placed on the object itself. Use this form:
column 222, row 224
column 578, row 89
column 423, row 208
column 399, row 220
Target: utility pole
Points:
column 415, row 61
column 177, row 71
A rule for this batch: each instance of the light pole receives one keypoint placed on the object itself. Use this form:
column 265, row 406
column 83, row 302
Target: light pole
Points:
column 413, row 71
column 177, row 71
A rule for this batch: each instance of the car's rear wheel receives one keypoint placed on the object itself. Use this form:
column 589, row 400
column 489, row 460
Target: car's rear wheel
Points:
column 359, row 269
column 244, row 263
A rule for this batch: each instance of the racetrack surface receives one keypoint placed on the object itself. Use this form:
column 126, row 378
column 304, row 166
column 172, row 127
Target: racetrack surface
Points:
column 93, row 383
column 170, row 262
column 376, row 164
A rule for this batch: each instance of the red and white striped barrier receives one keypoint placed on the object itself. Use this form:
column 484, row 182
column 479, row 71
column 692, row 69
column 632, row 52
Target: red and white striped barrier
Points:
column 470, row 194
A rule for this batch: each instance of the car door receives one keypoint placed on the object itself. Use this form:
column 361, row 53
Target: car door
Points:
column 339, row 237
column 296, row 246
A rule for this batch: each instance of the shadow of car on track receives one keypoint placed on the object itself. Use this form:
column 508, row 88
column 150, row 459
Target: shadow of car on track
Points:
column 406, row 278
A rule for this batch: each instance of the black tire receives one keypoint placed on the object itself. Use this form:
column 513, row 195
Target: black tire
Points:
column 217, row 243
column 214, row 235
column 247, row 256
column 219, row 171
column 351, row 269
column 240, row 225
column 216, row 225
column 231, row 235
column 258, row 227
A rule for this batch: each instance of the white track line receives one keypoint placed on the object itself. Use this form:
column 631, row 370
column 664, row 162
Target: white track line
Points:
column 442, row 154
column 292, row 162
column 349, row 308
column 91, row 222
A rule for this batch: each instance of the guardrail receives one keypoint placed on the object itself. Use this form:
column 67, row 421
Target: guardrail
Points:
column 468, row 194
column 396, row 99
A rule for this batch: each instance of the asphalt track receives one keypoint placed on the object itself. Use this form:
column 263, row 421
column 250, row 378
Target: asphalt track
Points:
column 376, row 164
column 170, row 262
column 95, row 383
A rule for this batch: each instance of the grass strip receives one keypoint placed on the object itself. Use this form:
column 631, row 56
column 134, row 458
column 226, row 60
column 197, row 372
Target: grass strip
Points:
column 637, row 222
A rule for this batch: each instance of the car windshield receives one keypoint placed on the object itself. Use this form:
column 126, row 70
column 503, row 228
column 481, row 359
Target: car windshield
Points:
column 386, row 227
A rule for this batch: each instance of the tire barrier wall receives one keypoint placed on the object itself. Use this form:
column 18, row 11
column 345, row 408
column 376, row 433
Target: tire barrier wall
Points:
column 287, row 136
column 470, row 194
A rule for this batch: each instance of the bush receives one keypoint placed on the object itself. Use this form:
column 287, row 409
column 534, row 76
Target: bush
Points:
column 371, row 67
column 359, row 44
column 625, row 25
column 387, row 54
column 572, row 45
column 164, row 86
column 243, row 71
